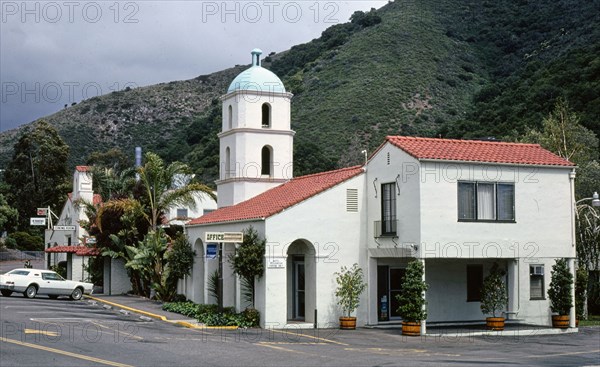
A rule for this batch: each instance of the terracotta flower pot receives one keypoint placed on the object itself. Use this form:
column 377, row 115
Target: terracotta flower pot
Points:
column 411, row 328
column 560, row 321
column 348, row 323
column 495, row 323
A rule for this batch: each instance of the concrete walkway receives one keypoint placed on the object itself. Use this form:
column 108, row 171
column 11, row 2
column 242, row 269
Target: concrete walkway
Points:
column 153, row 309
column 146, row 308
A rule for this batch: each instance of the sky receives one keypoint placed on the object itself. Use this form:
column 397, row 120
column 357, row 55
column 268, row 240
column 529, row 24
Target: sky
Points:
column 54, row 53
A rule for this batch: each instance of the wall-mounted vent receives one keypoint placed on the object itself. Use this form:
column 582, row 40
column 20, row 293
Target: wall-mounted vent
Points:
column 388, row 158
column 352, row 200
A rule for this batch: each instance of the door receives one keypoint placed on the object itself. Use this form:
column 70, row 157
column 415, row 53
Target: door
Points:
column 395, row 282
column 298, row 289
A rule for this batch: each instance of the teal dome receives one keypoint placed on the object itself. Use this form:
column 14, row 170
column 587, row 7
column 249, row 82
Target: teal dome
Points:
column 257, row 78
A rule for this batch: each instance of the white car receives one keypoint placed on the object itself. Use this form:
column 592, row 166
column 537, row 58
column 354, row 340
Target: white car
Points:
column 31, row 282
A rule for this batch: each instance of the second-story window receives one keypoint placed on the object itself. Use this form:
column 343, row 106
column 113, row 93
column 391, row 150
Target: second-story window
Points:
column 266, row 115
column 486, row 201
column 388, row 209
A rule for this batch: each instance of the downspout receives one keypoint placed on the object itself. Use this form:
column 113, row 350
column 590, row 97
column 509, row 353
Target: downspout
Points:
column 573, row 208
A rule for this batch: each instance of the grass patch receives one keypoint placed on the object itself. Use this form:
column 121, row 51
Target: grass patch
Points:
column 593, row 320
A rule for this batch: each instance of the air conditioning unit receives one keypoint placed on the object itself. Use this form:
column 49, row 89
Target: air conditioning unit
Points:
column 537, row 270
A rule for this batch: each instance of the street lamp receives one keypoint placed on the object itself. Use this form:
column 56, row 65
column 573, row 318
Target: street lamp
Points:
column 595, row 199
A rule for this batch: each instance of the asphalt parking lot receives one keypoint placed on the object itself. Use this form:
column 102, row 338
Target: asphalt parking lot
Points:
column 44, row 332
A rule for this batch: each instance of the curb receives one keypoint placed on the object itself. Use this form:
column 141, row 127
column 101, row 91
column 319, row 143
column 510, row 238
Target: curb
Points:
column 160, row 317
column 149, row 314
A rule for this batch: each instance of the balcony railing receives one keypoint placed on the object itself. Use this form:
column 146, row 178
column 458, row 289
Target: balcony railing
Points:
column 386, row 228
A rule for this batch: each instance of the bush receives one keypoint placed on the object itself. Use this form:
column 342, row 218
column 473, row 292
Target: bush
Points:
column 560, row 288
column 210, row 315
column 27, row 242
column 411, row 299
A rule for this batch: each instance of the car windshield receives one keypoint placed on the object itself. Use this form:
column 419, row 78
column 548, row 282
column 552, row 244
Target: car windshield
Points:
column 18, row 272
column 51, row 276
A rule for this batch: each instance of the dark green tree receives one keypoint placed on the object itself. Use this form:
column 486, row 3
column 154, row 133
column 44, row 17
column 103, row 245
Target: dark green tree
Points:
column 113, row 158
column 561, row 284
column 248, row 259
column 8, row 216
column 581, row 285
column 412, row 296
column 493, row 293
column 37, row 173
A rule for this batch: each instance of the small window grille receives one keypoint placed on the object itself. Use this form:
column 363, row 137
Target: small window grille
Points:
column 352, row 200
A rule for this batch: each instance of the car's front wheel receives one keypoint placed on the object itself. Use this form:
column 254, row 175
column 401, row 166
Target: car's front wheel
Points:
column 31, row 291
column 77, row 294
column 6, row 292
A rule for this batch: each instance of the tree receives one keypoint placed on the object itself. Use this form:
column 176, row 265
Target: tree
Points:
column 8, row 216
column 111, row 183
column 113, row 158
column 166, row 186
column 561, row 284
column 248, row 259
column 350, row 286
column 581, row 285
column 412, row 296
column 38, row 173
column 563, row 135
column 493, row 293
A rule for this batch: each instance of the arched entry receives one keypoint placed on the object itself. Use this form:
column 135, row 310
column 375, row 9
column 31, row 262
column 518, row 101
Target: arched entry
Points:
column 198, row 273
column 301, row 281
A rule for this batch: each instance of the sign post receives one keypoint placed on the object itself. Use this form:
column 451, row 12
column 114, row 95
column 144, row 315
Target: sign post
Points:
column 221, row 238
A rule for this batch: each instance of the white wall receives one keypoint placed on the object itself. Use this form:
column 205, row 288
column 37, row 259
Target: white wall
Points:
column 542, row 210
column 408, row 210
column 338, row 239
column 203, row 203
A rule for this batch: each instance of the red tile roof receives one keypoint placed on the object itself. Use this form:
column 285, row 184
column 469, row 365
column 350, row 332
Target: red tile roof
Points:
column 77, row 250
column 279, row 198
column 477, row 151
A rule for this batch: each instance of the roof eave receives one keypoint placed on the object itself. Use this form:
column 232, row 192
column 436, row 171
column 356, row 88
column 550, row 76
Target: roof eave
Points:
column 227, row 222
column 496, row 163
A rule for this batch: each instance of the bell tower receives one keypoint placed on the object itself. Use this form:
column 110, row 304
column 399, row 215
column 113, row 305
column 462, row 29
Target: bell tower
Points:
column 256, row 140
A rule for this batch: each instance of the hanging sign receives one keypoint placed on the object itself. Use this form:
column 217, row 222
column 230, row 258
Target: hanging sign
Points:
column 63, row 228
column 42, row 211
column 211, row 251
column 37, row 221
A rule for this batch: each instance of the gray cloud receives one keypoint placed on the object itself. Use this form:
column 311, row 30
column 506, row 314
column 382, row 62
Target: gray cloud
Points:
column 56, row 53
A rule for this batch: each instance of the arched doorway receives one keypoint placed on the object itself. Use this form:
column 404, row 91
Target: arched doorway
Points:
column 198, row 273
column 301, row 281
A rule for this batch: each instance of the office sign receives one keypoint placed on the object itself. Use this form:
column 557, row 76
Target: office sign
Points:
column 37, row 221
column 224, row 237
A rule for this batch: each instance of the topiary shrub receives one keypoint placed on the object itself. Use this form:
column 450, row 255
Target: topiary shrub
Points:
column 493, row 293
column 412, row 295
column 561, row 285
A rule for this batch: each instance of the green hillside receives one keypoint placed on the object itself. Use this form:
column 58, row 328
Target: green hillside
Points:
column 428, row 68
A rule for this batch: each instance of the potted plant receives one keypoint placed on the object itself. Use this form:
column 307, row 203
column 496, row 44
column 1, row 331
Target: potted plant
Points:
column 561, row 285
column 581, row 284
column 412, row 299
column 494, row 298
column 350, row 286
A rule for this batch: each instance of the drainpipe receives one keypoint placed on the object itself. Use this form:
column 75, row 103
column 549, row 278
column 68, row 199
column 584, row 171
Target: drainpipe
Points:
column 573, row 208
column 572, row 315
column 424, row 322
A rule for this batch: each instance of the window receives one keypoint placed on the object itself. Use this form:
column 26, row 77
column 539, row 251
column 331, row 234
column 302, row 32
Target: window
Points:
column 230, row 117
column 266, row 161
column 51, row 276
column 536, row 282
column 182, row 213
column 486, row 201
column 266, row 115
column 228, row 172
column 474, row 282
column 388, row 209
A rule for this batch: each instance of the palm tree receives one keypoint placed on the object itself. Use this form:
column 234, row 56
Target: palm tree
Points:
column 113, row 184
column 166, row 186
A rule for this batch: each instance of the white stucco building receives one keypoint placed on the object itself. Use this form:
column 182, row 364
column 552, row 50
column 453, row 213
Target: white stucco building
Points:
column 457, row 206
